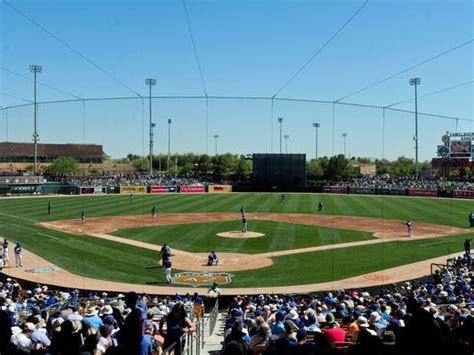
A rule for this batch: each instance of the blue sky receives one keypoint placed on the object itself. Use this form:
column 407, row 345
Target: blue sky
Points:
column 246, row 48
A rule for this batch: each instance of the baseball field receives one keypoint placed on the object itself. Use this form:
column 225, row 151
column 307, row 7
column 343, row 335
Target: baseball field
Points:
column 296, row 245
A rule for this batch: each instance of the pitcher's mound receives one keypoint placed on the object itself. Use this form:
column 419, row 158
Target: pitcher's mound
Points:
column 239, row 234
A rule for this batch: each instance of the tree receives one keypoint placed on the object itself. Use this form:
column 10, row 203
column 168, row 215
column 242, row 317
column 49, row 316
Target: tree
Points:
column 131, row 157
column 140, row 164
column 64, row 166
column 336, row 167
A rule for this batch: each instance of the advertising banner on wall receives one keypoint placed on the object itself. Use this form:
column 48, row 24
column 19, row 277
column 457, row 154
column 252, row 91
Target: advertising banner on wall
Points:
column 335, row 189
column 362, row 190
column 85, row 190
column 192, row 189
column 463, row 193
column 392, row 192
column 162, row 189
column 423, row 192
column 134, row 189
column 25, row 189
column 216, row 189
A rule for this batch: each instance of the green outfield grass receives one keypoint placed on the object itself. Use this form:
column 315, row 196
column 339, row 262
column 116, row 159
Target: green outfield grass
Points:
column 103, row 259
column 201, row 237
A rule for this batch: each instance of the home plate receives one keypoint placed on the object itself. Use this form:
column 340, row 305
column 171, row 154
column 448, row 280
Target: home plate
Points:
column 240, row 234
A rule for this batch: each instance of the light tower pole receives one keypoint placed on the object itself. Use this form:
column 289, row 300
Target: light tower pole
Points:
column 169, row 146
column 415, row 82
column 286, row 136
column 215, row 143
column 344, row 135
column 280, row 121
column 35, row 69
column 316, row 125
column 150, row 83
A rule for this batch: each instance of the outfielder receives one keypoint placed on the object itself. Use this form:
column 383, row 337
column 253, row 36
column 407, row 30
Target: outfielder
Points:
column 153, row 212
column 50, row 207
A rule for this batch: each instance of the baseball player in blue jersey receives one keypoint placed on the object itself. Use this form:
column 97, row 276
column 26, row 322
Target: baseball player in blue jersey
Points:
column 212, row 259
column 167, row 265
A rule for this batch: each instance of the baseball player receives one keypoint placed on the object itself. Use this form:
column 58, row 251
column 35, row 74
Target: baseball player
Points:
column 282, row 197
column 244, row 220
column 153, row 212
column 165, row 253
column 50, row 207
column 471, row 219
column 131, row 196
column 467, row 246
column 212, row 259
column 18, row 255
column 83, row 217
column 320, row 206
column 409, row 226
column 6, row 257
column 167, row 265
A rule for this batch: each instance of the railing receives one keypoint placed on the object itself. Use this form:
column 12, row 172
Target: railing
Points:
column 213, row 317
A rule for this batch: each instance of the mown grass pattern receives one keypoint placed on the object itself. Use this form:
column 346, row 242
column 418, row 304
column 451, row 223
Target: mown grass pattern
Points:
column 108, row 260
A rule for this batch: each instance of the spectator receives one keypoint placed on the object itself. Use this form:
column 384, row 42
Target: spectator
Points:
column 177, row 324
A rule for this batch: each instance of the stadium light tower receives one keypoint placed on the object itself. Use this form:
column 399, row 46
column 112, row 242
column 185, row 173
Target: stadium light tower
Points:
column 316, row 125
column 344, row 135
column 215, row 143
column 150, row 83
column 286, row 136
column 415, row 82
column 169, row 146
column 280, row 121
column 35, row 69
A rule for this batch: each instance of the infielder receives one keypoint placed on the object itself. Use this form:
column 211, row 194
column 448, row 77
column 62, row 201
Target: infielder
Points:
column 18, row 255
column 244, row 220
column 83, row 217
column 409, row 226
column 153, row 212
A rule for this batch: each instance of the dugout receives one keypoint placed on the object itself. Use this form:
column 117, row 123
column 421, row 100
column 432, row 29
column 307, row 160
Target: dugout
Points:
column 279, row 171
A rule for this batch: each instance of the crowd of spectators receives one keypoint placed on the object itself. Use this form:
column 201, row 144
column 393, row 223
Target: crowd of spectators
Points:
column 138, row 180
column 407, row 182
column 431, row 316
column 434, row 315
column 43, row 321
